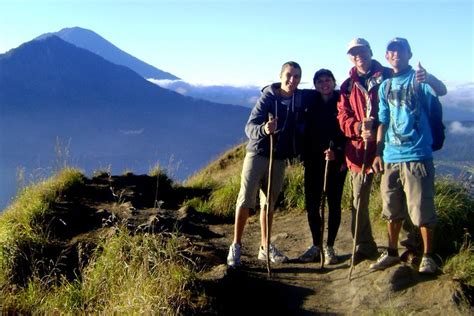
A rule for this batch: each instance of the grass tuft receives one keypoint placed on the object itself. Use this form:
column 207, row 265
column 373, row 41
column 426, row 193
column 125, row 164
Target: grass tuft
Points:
column 136, row 274
column 22, row 227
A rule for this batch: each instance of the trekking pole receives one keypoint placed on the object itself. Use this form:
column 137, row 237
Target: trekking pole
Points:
column 364, row 162
column 269, row 200
column 323, row 204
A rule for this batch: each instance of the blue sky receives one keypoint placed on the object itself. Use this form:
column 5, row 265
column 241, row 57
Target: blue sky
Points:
column 238, row 42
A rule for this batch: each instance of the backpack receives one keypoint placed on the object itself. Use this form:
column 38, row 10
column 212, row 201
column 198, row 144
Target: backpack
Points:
column 435, row 115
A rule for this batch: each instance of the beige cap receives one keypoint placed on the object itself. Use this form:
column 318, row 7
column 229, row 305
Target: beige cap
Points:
column 357, row 42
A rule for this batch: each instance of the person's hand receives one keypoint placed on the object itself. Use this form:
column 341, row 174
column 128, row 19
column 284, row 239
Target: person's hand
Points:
column 368, row 135
column 421, row 74
column 367, row 123
column 367, row 132
column 377, row 165
column 271, row 126
column 330, row 155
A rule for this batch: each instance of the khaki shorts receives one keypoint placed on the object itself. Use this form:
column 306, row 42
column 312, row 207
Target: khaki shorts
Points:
column 255, row 177
column 409, row 186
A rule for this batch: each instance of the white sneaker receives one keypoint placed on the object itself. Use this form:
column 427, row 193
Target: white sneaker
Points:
column 275, row 255
column 427, row 265
column 329, row 255
column 311, row 254
column 233, row 258
column 384, row 261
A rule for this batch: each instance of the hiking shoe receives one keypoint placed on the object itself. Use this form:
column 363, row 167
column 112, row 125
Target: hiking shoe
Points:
column 329, row 255
column 384, row 261
column 310, row 255
column 427, row 265
column 233, row 258
column 275, row 255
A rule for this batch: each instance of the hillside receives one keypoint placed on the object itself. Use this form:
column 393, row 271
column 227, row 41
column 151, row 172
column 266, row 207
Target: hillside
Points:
column 102, row 115
column 86, row 211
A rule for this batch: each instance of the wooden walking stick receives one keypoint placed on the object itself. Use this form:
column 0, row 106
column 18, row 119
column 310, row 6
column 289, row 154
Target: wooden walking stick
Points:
column 354, row 244
column 269, row 200
column 364, row 162
column 321, row 208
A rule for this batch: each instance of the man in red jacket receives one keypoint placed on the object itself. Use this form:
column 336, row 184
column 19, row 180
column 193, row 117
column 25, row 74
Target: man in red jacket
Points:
column 357, row 108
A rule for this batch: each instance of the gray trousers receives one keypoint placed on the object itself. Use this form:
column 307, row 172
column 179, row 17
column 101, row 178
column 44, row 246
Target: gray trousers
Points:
column 360, row 198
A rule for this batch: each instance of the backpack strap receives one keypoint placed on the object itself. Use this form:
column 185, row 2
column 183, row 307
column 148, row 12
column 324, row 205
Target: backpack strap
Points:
column 388, row 87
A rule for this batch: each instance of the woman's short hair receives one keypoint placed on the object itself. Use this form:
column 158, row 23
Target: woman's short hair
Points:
column 323, row 72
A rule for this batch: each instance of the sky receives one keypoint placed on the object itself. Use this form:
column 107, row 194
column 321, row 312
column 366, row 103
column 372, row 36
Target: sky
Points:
column 246, row 41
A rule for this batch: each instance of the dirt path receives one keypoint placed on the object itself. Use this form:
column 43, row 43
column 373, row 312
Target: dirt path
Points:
column 305, row 289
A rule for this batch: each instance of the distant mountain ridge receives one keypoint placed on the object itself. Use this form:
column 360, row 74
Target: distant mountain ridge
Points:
column 95, row 43
column 110, row 115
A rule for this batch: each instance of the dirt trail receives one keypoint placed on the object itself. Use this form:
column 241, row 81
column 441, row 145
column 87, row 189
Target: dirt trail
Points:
column 304, row 289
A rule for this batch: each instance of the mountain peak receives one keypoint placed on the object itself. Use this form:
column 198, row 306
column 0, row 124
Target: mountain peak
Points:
column 88, row 39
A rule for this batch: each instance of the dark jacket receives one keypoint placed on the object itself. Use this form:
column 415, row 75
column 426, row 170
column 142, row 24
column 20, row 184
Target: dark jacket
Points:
column 321, row 127
column 356, row 97
column 289, row 125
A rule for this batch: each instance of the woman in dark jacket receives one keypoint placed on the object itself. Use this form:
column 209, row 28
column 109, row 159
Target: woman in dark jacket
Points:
column 321, row 128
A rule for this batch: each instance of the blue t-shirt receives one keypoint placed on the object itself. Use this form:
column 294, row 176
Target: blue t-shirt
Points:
column 408, row 136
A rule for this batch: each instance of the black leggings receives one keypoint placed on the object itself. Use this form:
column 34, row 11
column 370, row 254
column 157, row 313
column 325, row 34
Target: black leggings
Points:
column 313, row 183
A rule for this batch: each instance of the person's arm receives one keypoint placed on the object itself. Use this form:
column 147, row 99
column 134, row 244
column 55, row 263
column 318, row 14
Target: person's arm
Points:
column 437, row 85
column 348, row 122
column 255, row 127
column 377, row 165
column 384, row 120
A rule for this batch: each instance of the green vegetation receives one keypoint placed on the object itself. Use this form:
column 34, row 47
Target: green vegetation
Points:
column 461, row 265
column 22, row 225
column 293, row 188
column 127, row 274
column 124, row 272
column 456, row 215
column 221, row 179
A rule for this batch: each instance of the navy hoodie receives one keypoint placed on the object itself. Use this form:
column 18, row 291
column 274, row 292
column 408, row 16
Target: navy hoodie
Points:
column 289, row 132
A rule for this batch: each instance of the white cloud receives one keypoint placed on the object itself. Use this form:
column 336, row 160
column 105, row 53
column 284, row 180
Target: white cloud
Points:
column 457, row 128
column 182, row 91
column 238, row 94
column 132, row 132
column 252, row 100
column 460, row 96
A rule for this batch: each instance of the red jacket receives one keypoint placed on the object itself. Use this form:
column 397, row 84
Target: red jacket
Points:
column 352, row 107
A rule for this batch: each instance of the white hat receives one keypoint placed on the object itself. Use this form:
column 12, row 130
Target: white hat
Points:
column 357, row 42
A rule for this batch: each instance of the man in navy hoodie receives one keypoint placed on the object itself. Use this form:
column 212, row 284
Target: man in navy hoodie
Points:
column 278, row 112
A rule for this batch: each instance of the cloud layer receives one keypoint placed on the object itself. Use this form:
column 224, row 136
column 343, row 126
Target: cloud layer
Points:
column 458, row 128
column 245, row 95
column 458, row 104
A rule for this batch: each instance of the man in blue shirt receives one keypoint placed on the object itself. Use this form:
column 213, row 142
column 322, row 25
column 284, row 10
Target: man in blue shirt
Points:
column 404, row 155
